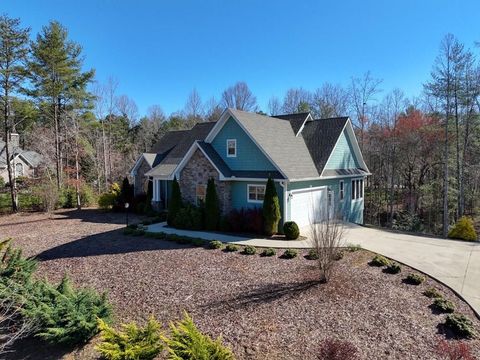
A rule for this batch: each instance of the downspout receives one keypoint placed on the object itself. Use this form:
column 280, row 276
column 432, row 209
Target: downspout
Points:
column 283, row 184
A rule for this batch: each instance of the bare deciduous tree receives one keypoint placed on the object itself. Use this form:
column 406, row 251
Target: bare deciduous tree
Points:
column 274, row 106
column 239, row 97
column 295, row 100
column 329, row 101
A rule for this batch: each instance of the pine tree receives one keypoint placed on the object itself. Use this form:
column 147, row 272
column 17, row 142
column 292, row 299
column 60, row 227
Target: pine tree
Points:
column 13, row 54
column 212, row 208
column 57, row 78
column 175, row 202
column 271, row 208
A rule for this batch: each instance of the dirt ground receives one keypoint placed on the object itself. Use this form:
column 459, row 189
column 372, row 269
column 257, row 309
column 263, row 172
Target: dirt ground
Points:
column 264, row 308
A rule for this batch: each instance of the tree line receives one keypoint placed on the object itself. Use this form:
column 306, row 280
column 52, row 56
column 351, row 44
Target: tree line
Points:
column 423, row 151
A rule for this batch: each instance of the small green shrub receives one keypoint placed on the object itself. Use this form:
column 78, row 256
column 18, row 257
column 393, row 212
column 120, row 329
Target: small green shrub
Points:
column 461, row 325
column 414, row 279
column 215, row 244
column 291, row 230
column 312, row 254
column 444, row 305
column 132, row 343
column 432, row 293
column 106, row 201
column 379, row 260
column 290, row 254
column 231, row 248
column 354, row 247
column 250, row 250
column 187, row 342
column 269, row 252
column 271, row 208
column 338, row 255
column 393, row 268
column 463, row 230
column 189, row 217
column 65, row 315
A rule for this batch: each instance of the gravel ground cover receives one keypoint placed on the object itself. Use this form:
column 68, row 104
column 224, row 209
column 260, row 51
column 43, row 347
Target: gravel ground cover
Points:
column 263, row 307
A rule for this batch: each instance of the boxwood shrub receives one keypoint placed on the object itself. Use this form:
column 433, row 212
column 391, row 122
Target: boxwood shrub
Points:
column 291, row 230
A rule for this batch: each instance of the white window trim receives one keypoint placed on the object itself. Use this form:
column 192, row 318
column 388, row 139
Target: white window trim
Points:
column 360, row 188
column 235, row 142
column 248, row 193
column 341, row 190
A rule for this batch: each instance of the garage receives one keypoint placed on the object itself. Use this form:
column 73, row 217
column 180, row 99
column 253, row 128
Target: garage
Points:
column 308, row 205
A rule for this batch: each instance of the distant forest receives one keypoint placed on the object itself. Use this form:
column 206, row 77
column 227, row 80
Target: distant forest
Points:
column 423, row 152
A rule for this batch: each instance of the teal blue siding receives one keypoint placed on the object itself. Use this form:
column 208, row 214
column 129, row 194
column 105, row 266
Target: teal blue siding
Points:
column 240, row 199
column 249, row 156
column 350, row 210
column 343, row 156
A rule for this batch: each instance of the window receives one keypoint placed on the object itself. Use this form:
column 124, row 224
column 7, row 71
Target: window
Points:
column 231, row 148
column 342, row 190
column 200, row 193
column 357, row 189
column 256, row 193
column 19, row 169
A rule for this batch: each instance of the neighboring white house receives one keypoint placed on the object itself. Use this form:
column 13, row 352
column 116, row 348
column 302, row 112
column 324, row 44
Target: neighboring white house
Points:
column 24, row 162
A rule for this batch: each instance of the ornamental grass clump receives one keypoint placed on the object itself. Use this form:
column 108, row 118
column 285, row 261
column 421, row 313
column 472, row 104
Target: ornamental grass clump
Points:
column 130, row 343
column 186, row 341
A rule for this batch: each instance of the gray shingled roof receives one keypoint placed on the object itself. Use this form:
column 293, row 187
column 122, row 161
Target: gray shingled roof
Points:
column 344, row 172
column 296, row 120
column 321, row 136
column 169, row 163
column 32, row 157
column 277, row 138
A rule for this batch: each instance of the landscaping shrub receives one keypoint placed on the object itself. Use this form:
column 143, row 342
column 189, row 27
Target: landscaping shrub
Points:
column 215, row 244
column 463, row 230
column 175, row 203
column 290, row 254
column 406, row 221
column 132, row 343
column 189, row 217
column 250, row 250
column 312, row 254
column 393, row 268
column 106, row 201
column 65, row 315
column 332, row 349
column 432, row 293
column 67, row 198
column 231, row 248
column 212, row 206
column 271, row 208
column 379, row 260
column 126, row 193
column 269, row 252
column 13, row 265
column 198, row 242
column 338, row 255
column 444, row 305
column 454, row 350
column 414, row 279
column 291, row 231
column 461, row 325
column 244, row 221
column 353, row 247
column 187, row 342
column 87, row 195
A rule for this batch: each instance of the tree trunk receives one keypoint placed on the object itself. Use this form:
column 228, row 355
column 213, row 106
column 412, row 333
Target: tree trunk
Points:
column 11, row 179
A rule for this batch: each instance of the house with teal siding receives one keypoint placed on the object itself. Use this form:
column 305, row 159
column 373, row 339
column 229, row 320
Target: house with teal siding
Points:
column 316, row 164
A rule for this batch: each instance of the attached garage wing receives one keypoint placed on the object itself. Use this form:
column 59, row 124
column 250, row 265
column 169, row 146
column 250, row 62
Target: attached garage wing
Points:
column 308, row 206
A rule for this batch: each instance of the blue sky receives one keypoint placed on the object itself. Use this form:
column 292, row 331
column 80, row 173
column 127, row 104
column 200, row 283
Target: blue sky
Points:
column 160, row 50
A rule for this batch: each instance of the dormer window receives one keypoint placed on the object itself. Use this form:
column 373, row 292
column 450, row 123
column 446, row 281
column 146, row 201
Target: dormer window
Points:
column 232, row 148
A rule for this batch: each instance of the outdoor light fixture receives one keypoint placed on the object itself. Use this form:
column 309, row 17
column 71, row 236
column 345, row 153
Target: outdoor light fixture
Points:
column 127, row 205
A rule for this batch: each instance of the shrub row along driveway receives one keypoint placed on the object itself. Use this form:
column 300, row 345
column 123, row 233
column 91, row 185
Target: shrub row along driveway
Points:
column 265, row 308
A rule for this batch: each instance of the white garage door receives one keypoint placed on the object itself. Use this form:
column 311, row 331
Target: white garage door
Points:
column 308, row 206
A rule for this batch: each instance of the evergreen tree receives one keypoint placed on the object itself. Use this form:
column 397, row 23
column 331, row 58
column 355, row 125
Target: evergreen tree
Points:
column 212, row 207
column 271, row 208
column 57, row 78
column 13, row 54
column 175, row 202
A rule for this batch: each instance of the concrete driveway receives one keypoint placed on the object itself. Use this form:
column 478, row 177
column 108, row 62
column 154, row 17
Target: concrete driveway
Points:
column 455, row 263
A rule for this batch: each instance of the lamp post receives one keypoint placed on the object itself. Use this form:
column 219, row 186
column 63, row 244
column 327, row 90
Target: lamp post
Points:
column 127, row 205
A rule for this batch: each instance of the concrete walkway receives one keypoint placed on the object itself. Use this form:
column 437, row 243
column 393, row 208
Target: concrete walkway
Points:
column 455, row 263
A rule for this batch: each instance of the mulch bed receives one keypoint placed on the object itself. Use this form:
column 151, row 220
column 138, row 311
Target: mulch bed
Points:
column 263, row 307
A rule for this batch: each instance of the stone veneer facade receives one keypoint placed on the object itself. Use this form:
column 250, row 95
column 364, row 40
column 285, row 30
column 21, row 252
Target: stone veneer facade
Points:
column 140, row 180
column 197, row 171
